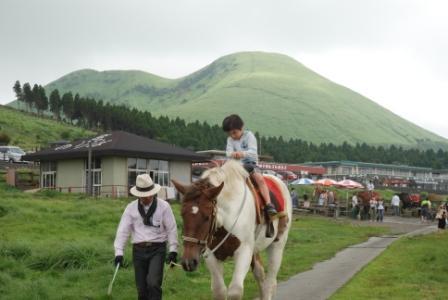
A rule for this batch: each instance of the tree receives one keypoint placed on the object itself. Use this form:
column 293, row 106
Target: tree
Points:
column 67, row 106
column 41, row 100
column 18, row 90
column 27, row 96
column 55, row 104
column 35, row 97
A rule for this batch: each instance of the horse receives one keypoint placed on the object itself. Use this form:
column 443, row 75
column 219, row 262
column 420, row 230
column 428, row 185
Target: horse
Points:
column 409, row 200
column 365, row 197
column 219, row 222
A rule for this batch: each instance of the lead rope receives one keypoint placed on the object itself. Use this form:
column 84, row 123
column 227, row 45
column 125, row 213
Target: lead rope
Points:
column 207, row 253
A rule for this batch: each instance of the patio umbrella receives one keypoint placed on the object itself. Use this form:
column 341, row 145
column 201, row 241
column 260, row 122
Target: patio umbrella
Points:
column 303, row 181
column 325, row 182
column 349, row 184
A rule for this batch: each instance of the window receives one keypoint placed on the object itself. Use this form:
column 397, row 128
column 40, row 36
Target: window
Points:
column 157, row 169
column 97, row 176
column 48, row 174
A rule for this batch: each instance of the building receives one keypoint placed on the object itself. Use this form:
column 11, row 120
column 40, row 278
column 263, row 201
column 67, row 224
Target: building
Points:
column 116, row 160
column 343, row 168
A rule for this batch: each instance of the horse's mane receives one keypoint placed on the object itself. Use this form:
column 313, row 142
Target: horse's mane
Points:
column 231, row 173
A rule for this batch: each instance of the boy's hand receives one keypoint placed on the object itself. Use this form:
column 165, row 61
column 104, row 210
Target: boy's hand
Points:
column 237, row 155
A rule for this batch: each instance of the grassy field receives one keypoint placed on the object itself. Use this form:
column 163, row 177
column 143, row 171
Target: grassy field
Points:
column 58, row 246
column 411, row 268
column 295, row 101
column 28, row 131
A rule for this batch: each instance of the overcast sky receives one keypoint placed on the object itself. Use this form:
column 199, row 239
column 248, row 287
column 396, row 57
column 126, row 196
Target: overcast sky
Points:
column 392, row 51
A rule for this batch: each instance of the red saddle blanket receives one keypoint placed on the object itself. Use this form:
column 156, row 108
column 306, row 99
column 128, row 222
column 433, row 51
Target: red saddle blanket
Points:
column 277, row 198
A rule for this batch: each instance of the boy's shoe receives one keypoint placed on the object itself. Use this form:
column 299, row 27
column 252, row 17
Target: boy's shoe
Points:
column 270, row 209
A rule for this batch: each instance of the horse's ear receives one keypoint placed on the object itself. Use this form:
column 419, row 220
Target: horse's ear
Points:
column 179, row 186
column 214, row 191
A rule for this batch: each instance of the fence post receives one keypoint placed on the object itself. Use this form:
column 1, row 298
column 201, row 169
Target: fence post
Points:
column 11, row 177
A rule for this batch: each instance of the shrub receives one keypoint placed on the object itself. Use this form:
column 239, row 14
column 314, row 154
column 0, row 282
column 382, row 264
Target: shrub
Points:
column 65, row 135
column 4, row 138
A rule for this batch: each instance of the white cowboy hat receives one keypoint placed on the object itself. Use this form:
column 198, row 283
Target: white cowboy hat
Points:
column 144, row 186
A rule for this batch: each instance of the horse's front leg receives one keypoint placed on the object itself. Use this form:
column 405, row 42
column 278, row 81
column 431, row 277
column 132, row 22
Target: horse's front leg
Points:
column 218, row 285
column 243, row 258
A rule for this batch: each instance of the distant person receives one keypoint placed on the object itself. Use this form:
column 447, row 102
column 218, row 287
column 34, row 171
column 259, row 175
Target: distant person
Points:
column 425, row 209
column 380, row 211
column 355, row 206
column 441, row 217
column 373, row 204
column 322, row 199
column 306, row 201
column 395, row 202
column 294, row 198
column 151, row 224
column 370, row 188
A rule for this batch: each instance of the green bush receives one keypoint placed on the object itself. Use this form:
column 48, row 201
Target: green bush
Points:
column 4, row 138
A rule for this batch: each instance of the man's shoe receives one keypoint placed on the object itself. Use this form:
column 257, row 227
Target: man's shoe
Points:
column 270, row 210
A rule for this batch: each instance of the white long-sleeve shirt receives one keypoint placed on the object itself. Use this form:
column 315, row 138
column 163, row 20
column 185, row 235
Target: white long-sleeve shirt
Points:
column 247, row 144
column 395, row 201
column 132, row 224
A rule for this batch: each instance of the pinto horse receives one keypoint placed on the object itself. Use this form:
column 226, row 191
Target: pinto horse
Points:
column 219, row 216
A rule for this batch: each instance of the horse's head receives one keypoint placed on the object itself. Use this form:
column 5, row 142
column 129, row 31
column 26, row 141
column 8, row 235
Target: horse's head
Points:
column 199, row 215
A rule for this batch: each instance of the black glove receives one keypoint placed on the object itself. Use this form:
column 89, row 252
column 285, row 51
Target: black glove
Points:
column 171, row 258
column 119, row 260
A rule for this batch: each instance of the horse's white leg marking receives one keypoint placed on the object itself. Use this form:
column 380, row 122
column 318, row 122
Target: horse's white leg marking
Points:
column 218, row 285
column 275, row 255
column 243, row 258
column 259, row 275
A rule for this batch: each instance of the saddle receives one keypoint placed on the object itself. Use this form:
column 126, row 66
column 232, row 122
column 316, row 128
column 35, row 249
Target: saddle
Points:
column 276, row 196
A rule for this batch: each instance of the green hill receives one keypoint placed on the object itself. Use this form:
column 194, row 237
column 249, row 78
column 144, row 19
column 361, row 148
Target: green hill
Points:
column 29, row 132
column 275, row 94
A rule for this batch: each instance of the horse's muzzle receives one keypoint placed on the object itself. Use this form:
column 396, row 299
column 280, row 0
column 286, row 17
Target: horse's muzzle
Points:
column 190, row 265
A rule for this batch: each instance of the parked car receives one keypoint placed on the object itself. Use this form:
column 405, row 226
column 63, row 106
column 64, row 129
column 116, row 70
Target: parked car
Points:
column 11, row 154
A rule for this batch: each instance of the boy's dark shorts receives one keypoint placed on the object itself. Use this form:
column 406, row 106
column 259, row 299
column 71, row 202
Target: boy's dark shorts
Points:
column 251, row 167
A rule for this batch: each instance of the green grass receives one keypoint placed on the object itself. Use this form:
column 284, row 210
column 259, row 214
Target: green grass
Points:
column 295, row 101
column 28, row 131
column 59, row 246
column 411, row 268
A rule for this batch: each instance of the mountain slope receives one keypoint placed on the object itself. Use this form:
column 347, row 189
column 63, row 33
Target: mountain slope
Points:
column 28, row 131
column 275, row 95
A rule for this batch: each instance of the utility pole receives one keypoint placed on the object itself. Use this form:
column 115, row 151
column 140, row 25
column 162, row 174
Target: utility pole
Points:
column 89, row 170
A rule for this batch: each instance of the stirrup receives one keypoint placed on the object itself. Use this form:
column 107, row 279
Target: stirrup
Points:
column 270, row 210
column 270, row 230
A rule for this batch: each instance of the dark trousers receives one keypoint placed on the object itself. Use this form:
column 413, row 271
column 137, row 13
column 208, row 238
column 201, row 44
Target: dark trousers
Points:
column 148, row 266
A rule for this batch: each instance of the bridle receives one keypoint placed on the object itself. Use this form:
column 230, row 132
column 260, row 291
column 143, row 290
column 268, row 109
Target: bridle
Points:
column 212, row 230
column 208, row 238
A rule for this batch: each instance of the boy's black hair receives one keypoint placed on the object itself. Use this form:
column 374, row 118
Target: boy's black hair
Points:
column 232, row 122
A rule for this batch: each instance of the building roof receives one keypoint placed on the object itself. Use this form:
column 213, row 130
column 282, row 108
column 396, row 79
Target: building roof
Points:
column 364, row 164
column 117, row 143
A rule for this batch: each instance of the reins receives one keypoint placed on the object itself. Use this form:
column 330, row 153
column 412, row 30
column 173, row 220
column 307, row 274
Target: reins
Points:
column 213, row 228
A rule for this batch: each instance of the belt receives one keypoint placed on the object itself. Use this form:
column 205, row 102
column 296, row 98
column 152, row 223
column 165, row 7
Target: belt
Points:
column 149, row 244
